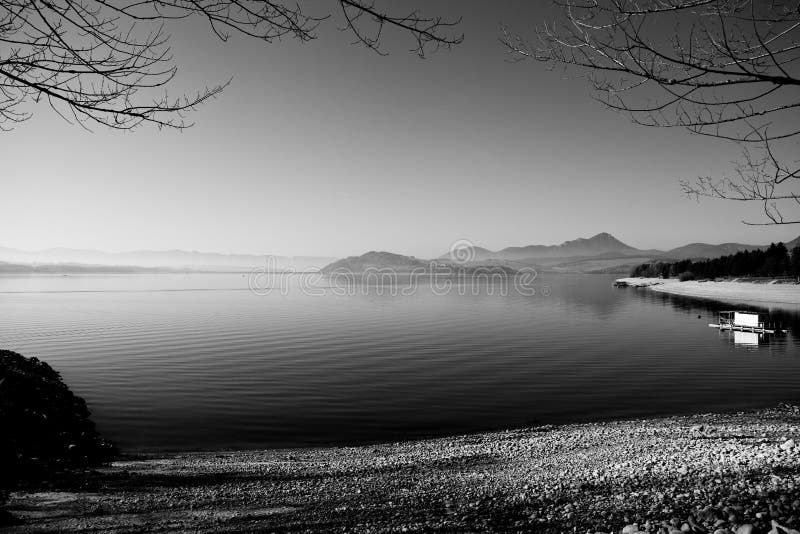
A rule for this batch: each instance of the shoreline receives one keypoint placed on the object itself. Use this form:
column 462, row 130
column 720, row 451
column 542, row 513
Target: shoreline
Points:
column 781, row 295
column 718, row 470
column 134, row 453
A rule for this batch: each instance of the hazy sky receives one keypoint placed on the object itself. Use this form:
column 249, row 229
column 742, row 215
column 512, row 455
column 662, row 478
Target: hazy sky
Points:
column 325, row 148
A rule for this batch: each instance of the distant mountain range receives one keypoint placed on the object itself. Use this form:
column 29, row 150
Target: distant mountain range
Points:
column 76, row 268
column 602, row 244
column 608, row 246
column 168, row 260
column 600, row 253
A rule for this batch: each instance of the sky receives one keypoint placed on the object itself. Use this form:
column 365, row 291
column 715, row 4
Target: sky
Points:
column 326, row 148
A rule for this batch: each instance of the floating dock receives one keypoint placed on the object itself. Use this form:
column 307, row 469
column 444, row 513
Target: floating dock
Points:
column 742, row 321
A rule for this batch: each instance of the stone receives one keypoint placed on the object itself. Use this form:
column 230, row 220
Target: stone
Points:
column 779, row 529
column 788, row 445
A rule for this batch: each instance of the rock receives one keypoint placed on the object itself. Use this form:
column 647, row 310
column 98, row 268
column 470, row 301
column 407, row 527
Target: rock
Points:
column 697, row 428
column 779, row 529
column 788, row 445
column 747, row 528
column 630, row 529
column 693, row 523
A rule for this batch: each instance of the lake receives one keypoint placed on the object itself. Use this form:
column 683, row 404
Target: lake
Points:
column 201, row 361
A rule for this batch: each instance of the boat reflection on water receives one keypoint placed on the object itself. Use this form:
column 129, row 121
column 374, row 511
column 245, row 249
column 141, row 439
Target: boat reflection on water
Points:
column 748, row 341
column 747, row 338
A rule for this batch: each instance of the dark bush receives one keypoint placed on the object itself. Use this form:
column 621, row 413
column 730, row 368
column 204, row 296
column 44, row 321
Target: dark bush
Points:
column 44, row 427
column 685, row 276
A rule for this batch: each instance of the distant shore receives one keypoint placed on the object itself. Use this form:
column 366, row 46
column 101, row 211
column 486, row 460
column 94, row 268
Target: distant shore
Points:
column 731, row 292
column 706, row 472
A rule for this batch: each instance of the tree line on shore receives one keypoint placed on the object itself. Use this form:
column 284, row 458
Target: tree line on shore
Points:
column 775, row 260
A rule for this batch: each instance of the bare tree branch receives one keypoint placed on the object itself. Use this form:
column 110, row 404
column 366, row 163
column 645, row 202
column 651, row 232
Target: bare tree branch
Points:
column 109, row 62
column 728, row 69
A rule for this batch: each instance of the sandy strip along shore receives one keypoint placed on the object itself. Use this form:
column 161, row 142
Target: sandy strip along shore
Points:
column 787, row 295
column 703, row 472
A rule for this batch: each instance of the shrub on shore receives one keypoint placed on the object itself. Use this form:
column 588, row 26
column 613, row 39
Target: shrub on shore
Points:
column 44, row 427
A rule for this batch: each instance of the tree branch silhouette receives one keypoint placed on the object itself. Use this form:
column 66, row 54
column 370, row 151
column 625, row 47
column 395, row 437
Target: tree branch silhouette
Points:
column 109, row 62
column 719, row 68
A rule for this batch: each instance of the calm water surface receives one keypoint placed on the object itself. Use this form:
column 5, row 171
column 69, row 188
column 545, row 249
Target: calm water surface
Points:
column 201, row 362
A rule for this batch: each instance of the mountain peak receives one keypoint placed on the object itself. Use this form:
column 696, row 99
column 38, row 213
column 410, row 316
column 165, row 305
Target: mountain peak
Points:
column 603, row 240
column 604, row 235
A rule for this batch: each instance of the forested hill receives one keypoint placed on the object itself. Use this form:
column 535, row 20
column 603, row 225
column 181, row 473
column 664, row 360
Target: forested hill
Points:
column 775, row 260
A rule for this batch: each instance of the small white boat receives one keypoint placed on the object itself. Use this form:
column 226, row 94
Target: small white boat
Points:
column 744, row 321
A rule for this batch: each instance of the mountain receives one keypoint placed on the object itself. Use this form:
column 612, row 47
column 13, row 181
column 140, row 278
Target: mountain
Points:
column 473, row 252
column 397, row 263
column 169, row 259
column 601, row 245
column 375, row 260
column 705, row 250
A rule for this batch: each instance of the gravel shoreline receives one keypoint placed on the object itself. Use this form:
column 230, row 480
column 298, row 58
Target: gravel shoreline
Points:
column 720, row 473
column 783, row 295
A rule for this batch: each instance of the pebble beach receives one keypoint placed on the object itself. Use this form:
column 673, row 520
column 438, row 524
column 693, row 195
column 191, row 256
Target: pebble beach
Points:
column 715, row 473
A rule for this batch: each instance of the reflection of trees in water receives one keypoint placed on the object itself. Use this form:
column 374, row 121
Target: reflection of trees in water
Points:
column 788, row 319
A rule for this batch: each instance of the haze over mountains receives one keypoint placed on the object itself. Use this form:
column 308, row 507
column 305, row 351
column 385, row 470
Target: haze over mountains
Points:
column 165, row 260
column 599, row 253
